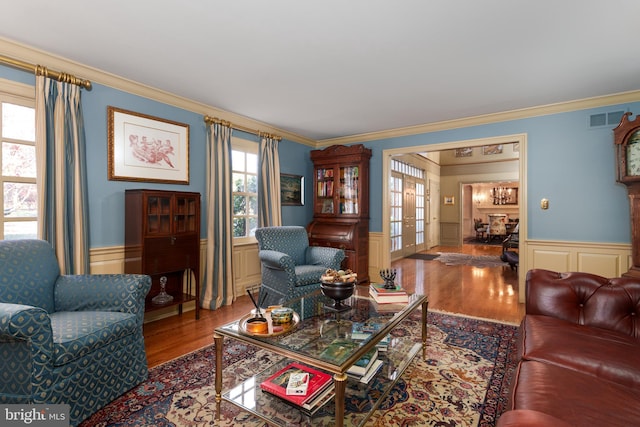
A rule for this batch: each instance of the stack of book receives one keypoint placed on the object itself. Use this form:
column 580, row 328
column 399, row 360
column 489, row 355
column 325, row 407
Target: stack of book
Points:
column 361, row 331
column 366, row 368
column 306, row 388
column 388, row 296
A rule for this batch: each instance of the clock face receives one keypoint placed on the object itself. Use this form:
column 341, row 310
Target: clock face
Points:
column 633, row 155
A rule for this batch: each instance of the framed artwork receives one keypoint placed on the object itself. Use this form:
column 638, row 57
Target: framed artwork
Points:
column 145, row 148
column 291, row 190
column 464, row 152
column 449, row 200
column 492, row 149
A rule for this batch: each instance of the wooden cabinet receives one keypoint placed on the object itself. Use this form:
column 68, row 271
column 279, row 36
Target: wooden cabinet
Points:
column 341, row 204
column 162, row 239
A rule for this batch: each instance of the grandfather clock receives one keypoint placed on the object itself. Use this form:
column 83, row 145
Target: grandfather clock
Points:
column 627, row 142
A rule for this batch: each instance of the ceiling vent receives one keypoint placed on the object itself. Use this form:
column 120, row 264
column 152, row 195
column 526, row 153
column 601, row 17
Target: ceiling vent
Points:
column 611, row 118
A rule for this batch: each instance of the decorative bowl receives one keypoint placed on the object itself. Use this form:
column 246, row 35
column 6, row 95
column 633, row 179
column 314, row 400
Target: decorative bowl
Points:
column 281, row 316
column 337, row 292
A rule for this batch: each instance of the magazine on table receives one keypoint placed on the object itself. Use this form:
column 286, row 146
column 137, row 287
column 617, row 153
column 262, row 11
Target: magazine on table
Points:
column 277, row 383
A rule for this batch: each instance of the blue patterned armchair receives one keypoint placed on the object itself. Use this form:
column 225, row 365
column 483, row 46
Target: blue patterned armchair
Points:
column 67, row 339
column 290, row 267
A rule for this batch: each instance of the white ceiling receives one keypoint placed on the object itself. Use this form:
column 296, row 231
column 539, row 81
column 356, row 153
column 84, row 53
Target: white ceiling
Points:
column 335, row 68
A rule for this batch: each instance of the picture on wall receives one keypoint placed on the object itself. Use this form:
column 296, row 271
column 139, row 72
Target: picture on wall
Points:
column 464, row 152
column 492, row 149
column 291, row 190
column 449, row 200
column 146, row 148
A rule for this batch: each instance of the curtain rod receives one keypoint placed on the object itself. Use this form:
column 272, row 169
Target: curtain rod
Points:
column 43, row 71
column 214, row 120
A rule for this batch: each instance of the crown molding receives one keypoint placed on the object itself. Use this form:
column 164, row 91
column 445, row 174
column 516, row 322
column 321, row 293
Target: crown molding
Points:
column 26, row 53
column 524, row 113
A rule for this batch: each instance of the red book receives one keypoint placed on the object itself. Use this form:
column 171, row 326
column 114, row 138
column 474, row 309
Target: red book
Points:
column 277, row 383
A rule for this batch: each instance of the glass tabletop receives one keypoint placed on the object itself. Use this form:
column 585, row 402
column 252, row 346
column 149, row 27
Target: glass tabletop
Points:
column 328, row 339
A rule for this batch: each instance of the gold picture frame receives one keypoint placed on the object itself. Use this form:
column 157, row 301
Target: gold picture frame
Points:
column 146, row 148
column 449, row 200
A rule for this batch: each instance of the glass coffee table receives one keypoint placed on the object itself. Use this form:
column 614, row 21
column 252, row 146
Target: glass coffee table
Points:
column 316, row 328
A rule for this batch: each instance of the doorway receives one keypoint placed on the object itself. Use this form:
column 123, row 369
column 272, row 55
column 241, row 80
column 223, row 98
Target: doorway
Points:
column 448, row 222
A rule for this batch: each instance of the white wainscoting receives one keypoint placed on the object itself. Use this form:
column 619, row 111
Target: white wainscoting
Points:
column 450, row 233
column 246, row 267
column 376, row 256
column 604, row 259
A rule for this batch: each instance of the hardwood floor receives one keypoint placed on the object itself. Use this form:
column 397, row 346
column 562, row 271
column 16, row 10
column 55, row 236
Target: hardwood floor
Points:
column 482, row 292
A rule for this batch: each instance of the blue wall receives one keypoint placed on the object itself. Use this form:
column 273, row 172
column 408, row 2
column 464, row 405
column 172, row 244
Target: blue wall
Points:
column 568, row 163
column 106, row 198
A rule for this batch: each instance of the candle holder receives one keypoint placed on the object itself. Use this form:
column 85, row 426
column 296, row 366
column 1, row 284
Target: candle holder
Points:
column 389, row 277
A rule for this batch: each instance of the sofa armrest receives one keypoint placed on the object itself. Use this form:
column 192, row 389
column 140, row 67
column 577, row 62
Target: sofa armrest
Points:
column 276, row 260
column 25, row 329
column 321, row 255
column 585, row 299
column 102, row 292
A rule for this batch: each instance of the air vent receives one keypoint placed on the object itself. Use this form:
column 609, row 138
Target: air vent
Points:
column 611, row 118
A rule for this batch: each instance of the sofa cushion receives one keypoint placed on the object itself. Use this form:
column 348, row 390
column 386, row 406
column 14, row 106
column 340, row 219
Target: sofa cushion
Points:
column 599, row 352
column 574, row 397
column 78, row 333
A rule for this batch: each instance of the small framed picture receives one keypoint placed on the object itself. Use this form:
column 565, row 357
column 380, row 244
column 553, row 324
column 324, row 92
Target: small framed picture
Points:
column 492, row 149
column 449, row 200
column 291, row 190
column 464, row 152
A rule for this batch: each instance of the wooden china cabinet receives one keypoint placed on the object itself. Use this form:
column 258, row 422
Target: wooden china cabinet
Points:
column 341, row 204
column 162, row 239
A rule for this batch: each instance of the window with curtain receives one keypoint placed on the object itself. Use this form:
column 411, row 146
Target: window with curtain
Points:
column 18, row 156
column 244, row 163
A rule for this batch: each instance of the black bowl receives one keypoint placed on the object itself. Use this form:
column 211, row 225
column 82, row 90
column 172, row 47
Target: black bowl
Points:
column 338, row 292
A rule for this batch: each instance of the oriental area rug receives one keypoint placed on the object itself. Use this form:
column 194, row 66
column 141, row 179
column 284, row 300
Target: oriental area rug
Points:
column 463, row 381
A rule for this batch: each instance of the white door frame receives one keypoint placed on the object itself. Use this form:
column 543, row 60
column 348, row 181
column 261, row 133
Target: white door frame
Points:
column 521, row 139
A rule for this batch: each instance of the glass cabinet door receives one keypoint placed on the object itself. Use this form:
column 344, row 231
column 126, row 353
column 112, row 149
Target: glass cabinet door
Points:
column 324, row 191
column 158, row 215
column 185, row 214
column 349, row 190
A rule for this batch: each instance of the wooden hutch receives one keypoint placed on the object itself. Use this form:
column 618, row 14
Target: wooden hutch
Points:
column 162, row 239
column 341, row 204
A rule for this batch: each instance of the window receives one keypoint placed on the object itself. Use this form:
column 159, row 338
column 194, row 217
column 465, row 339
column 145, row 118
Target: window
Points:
column 18, row 157
column 396, row 187
column 244, row 163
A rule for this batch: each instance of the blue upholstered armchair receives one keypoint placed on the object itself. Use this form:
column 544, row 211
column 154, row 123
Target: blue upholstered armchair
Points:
column 70, row 339
column 290, row 267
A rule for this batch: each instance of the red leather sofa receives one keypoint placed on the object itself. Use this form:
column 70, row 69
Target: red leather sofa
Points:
column 578, row 353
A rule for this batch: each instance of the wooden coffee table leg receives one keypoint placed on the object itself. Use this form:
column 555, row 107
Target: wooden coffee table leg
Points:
column 218, row 340
column 341, row 385
column 425, row 305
